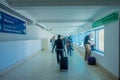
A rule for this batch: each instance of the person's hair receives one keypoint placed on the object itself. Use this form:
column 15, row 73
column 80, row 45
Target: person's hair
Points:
column 90, row 34
column 59, row 36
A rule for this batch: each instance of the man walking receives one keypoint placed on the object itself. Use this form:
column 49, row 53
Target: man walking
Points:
column 59, row 47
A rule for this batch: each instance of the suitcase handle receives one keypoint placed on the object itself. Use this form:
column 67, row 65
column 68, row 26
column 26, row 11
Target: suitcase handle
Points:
column 64, row 52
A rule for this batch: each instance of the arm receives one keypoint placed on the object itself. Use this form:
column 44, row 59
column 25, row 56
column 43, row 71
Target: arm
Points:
column 90, row 42
column 53, row 47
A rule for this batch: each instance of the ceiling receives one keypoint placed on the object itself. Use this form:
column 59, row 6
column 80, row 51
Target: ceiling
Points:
column 64, row 16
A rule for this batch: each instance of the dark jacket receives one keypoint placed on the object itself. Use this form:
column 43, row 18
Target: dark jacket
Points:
column 58, row 45
column 86, row 39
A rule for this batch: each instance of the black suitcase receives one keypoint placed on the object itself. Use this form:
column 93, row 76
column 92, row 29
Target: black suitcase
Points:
column 64, row 63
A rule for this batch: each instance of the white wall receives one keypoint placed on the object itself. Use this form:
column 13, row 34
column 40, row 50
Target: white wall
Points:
column 12, row 52
column 110, row 59
column 111, row 62
column 16, row 47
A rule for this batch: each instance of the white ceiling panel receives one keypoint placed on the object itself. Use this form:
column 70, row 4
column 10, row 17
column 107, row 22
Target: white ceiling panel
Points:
column 64, row 16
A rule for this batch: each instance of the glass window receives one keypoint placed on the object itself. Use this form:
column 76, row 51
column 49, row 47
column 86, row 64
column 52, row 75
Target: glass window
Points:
column 101, row 40
column 80, row 39
column 94, row 37
column 98, row 38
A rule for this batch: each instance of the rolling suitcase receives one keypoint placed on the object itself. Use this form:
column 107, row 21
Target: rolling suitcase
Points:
column 91, row 60
column 64, row 63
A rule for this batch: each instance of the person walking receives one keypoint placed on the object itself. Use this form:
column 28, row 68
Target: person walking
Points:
column 52, row 40
column 59, row 47
column 69, row 46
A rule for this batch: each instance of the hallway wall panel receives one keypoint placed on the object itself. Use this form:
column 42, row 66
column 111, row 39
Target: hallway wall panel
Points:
column 12, row 52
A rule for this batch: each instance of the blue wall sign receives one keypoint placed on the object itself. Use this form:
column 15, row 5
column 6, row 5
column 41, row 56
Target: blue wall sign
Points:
column 10, row 24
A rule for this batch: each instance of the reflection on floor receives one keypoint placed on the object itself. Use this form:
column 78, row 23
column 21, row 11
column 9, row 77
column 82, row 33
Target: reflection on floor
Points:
column 43, row 66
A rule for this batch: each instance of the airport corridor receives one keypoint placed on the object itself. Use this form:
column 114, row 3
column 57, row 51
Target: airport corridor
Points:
column 43, row 66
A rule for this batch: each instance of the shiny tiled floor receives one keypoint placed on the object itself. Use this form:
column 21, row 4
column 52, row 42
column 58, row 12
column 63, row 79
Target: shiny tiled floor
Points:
column 43, row 66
